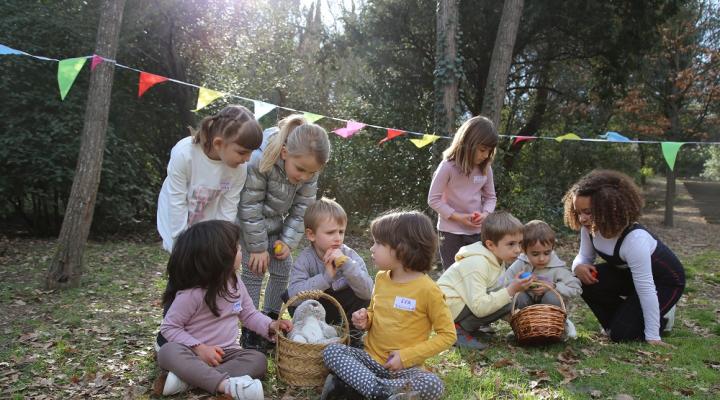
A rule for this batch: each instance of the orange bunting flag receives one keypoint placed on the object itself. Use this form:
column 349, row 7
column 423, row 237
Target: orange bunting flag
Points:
column 147, row 81
column 391, row 134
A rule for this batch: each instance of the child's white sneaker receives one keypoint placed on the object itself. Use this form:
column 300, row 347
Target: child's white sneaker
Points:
column 570, row 331
column 245, row 388
column 173, row 385
column 670, row 320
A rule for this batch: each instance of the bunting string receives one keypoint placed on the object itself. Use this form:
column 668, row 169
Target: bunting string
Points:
column 68, row 70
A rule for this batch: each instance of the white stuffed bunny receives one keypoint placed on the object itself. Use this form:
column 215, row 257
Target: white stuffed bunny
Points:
column 309, row 324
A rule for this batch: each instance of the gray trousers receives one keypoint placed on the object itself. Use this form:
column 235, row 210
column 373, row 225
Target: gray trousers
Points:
column 183, row 362
column 279, row 271
column 526, row 299
column 450, row 243
column 471, row 322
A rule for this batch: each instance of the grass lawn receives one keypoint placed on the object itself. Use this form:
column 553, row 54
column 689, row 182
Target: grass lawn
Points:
column 96, row 341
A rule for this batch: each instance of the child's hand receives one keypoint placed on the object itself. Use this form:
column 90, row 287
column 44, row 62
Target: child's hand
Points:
column 259, row 262
column 360, row 319
column 394, row 363
column 520, row 285
column 282, row 324
column 587, row 273
column 281, row 250
column 212, row 355
column 539, row 290
column 331, row 256
column 466, row 219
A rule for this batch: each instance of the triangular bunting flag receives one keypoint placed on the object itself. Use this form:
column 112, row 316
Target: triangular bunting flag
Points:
column 312, row 118
column 205, row 97
column 391, row 134
column 147, row 81
column 426, row 140
column 519, row 139
column 96, row 59
column 262, row 108
column 7, row 50
column 670, row 150
column 611, row 136
column 351, row 128
column 68, row 70
column 567, row 136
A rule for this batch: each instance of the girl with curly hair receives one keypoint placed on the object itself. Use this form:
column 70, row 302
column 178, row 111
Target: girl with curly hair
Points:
column 633, row 291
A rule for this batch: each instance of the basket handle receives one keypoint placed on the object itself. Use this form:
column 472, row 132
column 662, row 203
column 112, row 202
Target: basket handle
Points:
column 543, row 283
column 315, row 295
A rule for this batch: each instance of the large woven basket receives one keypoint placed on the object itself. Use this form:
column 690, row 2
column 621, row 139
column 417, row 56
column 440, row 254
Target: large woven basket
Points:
column 539, row 323
column 301, row 364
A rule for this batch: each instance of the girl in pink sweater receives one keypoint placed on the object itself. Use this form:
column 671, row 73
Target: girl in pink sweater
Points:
column 201, row 327
column 462, row 191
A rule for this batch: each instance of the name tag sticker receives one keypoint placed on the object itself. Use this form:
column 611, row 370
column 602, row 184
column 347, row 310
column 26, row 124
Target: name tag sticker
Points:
column 237, row 307
column 478, row 179
column 404, row 303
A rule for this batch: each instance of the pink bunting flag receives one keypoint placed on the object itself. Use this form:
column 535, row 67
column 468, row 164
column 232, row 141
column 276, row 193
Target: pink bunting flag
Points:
column 147, row 81
column 351, row 128
column 96, row 59
column 391, row 134
column 519, row 139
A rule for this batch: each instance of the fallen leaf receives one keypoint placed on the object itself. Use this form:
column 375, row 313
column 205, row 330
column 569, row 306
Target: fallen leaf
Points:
column 568, row 372
column 595, row 394
column 503, row 362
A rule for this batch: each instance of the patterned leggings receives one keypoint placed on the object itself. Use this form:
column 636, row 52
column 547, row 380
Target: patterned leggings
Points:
column 277, row 283
column 356, row 368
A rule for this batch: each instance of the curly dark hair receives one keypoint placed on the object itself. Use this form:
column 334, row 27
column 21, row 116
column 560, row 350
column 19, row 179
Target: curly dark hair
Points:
column 203, row 256
column 615, row 201
column 411, row 234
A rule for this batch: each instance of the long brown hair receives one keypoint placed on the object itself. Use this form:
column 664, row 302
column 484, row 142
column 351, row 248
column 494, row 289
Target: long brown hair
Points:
column 615, row 201
column 235, row 124
column 204, row 256
column 477, row 131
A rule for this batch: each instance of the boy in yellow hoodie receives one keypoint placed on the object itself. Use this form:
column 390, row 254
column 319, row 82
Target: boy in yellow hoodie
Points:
column 472, row 286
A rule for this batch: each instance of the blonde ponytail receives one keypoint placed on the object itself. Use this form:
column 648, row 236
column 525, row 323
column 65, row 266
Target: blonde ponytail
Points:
column 299, row 138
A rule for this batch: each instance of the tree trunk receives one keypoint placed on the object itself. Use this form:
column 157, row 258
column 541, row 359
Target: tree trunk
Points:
column 448, row 70
column 669, row 198
column 501, row 59
column 66, row 267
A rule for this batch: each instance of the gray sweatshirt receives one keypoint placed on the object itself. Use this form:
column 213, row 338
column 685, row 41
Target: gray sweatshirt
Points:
column 567, row 284
column 308, row 273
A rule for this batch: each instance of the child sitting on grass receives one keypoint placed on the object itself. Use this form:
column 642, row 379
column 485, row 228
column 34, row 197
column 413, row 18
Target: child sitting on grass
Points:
column 405, row 308
column 473, row 290
column 539, row 260
column 207, row 300
column 331, row 266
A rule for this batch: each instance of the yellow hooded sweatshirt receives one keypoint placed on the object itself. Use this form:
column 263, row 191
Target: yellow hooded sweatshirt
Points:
column 473, row 281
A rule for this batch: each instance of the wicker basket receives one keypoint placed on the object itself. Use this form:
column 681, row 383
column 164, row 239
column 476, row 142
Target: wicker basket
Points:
column 301, row 364
column 539, row 323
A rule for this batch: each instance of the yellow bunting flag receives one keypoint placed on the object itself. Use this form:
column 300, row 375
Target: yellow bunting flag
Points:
column 426, row 140
column 568, row 136
column 312, row 117
column 205, row 97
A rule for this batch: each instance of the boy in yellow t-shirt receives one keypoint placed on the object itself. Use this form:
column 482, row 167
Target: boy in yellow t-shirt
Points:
column 406, row 306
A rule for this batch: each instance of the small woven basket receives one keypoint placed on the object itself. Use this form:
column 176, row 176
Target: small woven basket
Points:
column 539, row 323
column 301, row 364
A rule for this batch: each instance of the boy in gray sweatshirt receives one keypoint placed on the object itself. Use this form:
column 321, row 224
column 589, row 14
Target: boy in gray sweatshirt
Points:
column 330, row 266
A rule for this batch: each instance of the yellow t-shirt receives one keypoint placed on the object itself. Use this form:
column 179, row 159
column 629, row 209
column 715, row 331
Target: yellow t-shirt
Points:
column 402, row 316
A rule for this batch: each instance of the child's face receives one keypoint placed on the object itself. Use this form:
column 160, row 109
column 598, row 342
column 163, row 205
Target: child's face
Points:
column 384, row 257
column 230, row 153
column 539, row 254
column 482, row 152
column 329, row 234
column 299, row 169
column 238, row 259
column 582, row 207
column 506, row 249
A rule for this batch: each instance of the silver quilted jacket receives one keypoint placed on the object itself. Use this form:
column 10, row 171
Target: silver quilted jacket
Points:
column 272, row 206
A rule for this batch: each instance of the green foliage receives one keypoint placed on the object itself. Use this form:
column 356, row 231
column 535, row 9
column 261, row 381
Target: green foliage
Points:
column 712, row 164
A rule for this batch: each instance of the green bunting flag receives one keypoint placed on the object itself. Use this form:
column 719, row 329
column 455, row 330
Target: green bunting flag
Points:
column 68, row 70
column 670, row 150
column 567, row 136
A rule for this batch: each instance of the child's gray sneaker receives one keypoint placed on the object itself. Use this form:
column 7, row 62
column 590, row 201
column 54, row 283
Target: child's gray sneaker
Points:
column 245, row 388
column 670, row 316
column 570, row 331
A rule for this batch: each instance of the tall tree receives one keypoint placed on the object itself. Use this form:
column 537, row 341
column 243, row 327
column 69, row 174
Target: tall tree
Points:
column 448, row 67
column 66, row 267
column 501, row 59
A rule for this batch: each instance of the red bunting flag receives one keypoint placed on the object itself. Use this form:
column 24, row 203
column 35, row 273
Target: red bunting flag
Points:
column 391, row 134
column 519, row 139
column 147, row 81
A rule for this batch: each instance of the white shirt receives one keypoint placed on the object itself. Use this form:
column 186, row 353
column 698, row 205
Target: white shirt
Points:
column 636, row 250
column 196, row 189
